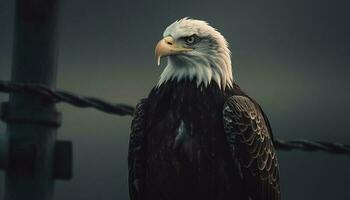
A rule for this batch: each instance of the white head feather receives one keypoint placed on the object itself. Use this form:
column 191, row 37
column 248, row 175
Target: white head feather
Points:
column 210, row 60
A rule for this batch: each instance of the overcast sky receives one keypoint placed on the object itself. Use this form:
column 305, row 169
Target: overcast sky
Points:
column 291, row 56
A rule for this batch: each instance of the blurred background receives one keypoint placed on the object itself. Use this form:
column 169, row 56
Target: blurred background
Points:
column 291, row 56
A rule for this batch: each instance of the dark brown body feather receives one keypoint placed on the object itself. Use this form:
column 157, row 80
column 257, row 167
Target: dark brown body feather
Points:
column 182, row 147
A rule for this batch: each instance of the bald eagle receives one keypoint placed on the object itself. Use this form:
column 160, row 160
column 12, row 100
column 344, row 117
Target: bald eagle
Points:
column 198, row 136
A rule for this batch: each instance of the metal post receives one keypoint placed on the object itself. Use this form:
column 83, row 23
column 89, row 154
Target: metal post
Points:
column 31, row 122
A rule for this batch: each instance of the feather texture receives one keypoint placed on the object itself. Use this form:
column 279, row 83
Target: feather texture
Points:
column 189, row 142
column 137, row 156
column 250, row 141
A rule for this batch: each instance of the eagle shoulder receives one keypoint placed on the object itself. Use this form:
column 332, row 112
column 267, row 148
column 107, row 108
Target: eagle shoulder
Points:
column 137, row 149
column 250, row 140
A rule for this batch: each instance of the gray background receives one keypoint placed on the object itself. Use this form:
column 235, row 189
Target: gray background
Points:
column 292, row 56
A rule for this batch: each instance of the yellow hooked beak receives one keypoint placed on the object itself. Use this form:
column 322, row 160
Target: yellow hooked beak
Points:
column 166, row 47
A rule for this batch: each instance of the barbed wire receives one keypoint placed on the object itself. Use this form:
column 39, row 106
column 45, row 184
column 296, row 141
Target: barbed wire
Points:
column 306, row 145
column 58, row 96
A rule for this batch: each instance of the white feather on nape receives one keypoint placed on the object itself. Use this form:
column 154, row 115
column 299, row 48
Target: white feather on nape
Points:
column 206, row 63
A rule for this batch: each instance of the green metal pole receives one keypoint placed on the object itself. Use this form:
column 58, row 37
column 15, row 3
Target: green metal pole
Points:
column 32, row 123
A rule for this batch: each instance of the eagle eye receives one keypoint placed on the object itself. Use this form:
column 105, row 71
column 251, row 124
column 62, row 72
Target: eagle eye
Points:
column 190, row 40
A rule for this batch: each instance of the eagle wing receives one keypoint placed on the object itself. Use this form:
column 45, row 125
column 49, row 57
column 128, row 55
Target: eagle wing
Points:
column 137, row 156
column 250, row 140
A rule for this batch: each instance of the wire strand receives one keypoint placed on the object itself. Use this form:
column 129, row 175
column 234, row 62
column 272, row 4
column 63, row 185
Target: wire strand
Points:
column 58, row 96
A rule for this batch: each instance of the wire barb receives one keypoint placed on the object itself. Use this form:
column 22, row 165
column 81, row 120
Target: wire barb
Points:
column 58, row 96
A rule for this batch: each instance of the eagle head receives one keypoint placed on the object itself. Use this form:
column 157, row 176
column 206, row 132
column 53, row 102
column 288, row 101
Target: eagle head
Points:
column 195, row 51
